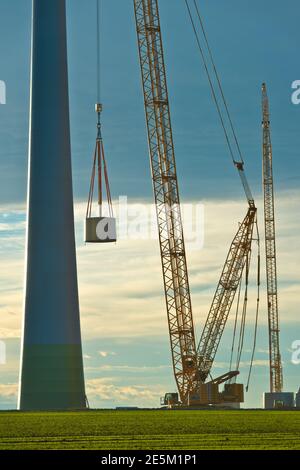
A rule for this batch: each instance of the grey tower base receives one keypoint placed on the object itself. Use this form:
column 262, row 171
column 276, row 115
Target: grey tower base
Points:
column 278, row 400
column 298, row 399
column 52, row 378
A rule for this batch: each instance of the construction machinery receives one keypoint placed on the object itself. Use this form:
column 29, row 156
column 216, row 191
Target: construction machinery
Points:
column 191, row 364
column 276, row 397
column 276, row 379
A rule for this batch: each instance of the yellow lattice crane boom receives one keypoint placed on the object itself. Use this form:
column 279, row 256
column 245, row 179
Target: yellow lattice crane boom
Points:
column 191, row 365
column 237, row 261
column 163, row 166
column 276, row 379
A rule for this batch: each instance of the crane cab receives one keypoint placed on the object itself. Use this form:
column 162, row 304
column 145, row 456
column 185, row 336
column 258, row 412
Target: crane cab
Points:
column 233, row 393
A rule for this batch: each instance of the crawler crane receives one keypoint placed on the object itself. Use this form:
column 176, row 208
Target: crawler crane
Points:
column 192, row 365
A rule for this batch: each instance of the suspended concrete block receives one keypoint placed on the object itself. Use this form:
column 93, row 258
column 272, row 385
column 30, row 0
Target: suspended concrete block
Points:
column 100, row 230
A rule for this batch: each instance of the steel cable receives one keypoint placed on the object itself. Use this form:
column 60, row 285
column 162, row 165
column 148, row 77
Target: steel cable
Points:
column 218, row 81
column 210, row 82
column 257, row 309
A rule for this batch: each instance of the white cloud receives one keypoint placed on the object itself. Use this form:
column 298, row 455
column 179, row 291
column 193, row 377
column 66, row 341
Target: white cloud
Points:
column 108, row 390
column 263, row 351
column 106, row 353
column 121, row 291
column 128, row 369
column 256, row 363
column 243, row 364
column 8, row 390
column 103, row 353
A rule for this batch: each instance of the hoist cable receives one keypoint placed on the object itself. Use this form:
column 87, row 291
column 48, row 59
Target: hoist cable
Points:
column 218, row 81
column 244, row 314
column 257, row 309
column 234, row 149
column 238, row 162
column 235, row 323
column 242, row 330
column 99, row 162
column 100, row 185
column 98, row 48
column 210, row 82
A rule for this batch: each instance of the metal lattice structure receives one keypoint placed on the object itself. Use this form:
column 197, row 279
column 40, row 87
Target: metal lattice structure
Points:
column 237, row 259
column 163, row 166
column 191, row 366
column 276, row 379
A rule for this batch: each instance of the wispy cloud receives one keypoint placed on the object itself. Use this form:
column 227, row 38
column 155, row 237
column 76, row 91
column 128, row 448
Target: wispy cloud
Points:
column 121, row 290
column 8, row 390
column 242, row 364
column 107, row 390
column 106, row 353
column 87, row 357
column 128, row 369
column 262, row 351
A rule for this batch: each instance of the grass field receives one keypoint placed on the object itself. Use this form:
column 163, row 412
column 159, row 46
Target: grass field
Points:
column 147, row 430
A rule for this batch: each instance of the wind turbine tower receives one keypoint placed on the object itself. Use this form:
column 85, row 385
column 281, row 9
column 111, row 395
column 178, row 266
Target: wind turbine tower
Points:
column 51, row 374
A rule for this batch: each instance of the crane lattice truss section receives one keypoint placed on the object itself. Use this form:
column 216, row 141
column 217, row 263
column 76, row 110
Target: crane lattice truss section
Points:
column 165, row 185
column 191, row 365
column 237, row 259
column 276, row 379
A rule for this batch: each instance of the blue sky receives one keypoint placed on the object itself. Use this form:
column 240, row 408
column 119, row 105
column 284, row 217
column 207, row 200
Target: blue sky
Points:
column 253, row 41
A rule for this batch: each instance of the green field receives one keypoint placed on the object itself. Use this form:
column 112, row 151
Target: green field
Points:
column 151, row 430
